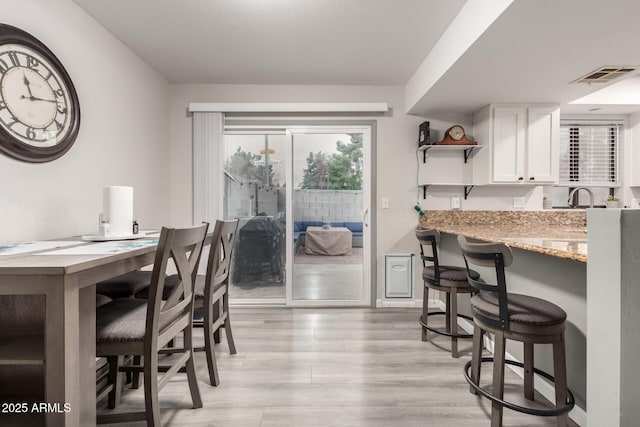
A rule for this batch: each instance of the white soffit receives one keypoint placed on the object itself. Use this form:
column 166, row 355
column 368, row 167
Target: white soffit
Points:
column 300, row 107
column 473, row 19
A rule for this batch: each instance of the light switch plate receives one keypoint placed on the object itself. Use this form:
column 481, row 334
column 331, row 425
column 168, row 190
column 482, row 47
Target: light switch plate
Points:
column 455, row 202
column 385, row 203
column 518, row 202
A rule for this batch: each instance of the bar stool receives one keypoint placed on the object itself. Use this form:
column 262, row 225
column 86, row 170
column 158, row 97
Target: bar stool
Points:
column 523, row 318
column 444, row 278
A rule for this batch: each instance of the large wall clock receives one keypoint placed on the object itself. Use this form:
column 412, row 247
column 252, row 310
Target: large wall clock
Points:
column 39, row 108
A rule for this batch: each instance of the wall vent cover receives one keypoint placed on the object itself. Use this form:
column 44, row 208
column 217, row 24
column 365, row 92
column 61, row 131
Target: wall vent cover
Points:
column 605, row 74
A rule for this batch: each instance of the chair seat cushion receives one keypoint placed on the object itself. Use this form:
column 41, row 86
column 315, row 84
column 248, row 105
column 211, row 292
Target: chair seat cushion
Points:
column 448, row 273
column 170, row 283
column 523, row 309
column 102, row 300
column 122, row 320
column 124, row 286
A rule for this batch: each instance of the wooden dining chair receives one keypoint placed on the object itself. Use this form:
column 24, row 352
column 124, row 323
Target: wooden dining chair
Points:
column 215, row 293
column 212, row 293
column 144, row 327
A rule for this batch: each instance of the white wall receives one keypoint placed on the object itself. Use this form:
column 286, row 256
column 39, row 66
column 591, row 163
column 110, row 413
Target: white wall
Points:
column 123, row 138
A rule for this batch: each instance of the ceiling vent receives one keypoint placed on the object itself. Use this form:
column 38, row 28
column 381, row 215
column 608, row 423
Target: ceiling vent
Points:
column 605, row 74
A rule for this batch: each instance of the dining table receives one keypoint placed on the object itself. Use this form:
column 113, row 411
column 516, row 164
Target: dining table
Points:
column 66, row 271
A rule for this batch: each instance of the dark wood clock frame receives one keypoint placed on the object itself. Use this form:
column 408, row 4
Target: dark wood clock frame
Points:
column 16, row 149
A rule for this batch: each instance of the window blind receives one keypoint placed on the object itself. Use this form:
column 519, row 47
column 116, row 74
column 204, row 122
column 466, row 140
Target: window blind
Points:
column 589, row 153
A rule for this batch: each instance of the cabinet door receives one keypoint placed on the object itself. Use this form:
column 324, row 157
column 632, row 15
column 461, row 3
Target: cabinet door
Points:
column 508, row 144
column 543, row 133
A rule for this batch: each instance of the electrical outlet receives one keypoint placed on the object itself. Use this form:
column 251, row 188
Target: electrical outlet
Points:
column 455, row 202
column 518, row 202
column 385, row 203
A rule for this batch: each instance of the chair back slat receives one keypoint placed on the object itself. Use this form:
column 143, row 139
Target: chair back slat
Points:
column 495, row 255
column 428, row 240
column 184, row 247
column 219, row 263
column 185, row 284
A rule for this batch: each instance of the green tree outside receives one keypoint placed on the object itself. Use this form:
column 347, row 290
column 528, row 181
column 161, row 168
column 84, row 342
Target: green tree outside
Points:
column 341, row 171
column 241, row 165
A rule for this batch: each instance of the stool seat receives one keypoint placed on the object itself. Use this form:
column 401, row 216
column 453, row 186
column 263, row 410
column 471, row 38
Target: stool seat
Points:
column 522, row 309
column 449, row 273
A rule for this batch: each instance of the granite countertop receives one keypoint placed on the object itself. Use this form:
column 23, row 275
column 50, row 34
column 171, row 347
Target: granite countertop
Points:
column 543, row 232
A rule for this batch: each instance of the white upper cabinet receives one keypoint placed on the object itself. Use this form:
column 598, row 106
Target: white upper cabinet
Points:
column 521, row 145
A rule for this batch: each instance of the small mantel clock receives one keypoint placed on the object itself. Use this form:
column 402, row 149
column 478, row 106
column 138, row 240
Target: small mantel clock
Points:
column 455, row 135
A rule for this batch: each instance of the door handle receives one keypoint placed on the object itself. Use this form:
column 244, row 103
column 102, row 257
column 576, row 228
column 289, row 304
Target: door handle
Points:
column 365, row 216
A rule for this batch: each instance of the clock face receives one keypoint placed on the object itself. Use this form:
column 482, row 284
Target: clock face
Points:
column 34, row 102
column 456, row 132
column 39, row 109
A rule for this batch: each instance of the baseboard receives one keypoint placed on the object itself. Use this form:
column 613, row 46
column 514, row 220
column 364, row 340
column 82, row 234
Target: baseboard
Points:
column 577, row 414
column 404, row 303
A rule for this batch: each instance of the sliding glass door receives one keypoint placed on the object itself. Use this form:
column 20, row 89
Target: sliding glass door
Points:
column 329, row 204
column 302, row 196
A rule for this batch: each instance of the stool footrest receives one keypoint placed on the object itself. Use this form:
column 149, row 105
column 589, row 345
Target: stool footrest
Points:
column 553, row 412
column 442, row 331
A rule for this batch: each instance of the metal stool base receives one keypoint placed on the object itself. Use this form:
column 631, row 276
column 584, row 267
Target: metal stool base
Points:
column 554, row 412
column 443, row 331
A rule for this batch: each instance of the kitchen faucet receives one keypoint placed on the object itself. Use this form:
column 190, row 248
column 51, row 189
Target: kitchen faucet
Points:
column 574, row 191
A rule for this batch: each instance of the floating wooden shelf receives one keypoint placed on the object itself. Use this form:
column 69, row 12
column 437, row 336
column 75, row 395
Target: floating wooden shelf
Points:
column 466, row 149
column 467, row 188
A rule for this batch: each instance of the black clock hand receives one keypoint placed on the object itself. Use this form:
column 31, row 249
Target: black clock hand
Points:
column 35, row 98
column 27, row 84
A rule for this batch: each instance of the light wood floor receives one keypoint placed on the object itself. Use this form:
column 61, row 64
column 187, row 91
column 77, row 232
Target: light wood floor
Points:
column 311, row 281
column 333, row 367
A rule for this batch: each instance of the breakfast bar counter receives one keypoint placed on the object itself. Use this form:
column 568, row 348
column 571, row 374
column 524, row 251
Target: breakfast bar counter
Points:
column 561, row 234
column 549, row 262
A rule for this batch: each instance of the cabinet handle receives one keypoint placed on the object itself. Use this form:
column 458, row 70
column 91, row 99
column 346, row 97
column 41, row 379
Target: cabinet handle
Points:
column 532, row 178
column 520, row 179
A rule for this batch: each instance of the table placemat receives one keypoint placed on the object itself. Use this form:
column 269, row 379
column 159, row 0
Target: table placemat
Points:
column 25, row 247
column 103, row 248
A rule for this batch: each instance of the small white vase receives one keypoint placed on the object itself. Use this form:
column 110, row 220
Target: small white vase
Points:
column 547, row 204
column 613, row 203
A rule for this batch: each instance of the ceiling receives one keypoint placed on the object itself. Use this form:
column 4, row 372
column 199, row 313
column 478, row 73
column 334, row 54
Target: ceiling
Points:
column 529, row 54
column 354, row 42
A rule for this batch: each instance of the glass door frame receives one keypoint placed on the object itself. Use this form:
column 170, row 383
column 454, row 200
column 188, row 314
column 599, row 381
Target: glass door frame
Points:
column 367, row 284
